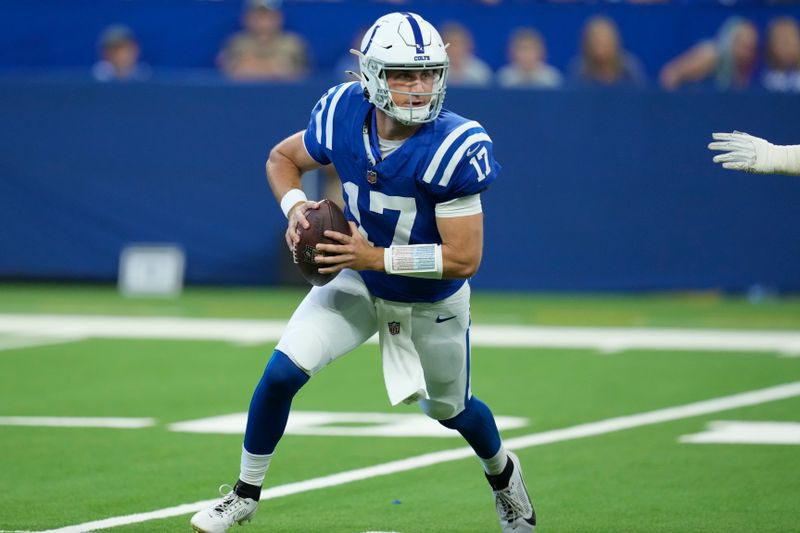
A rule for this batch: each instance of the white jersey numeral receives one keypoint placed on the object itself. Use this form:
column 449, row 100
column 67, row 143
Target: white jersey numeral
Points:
column 378, row 203
column 482, row 154
column 351, row 193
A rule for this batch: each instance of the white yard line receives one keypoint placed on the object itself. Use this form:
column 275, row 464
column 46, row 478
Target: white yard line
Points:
column 617, row 339
column 129, row 327
column 77, row 422
column 606, row 340
column 601, row 427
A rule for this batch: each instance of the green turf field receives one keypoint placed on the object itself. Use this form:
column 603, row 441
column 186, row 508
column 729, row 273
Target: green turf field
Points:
column 637, row 479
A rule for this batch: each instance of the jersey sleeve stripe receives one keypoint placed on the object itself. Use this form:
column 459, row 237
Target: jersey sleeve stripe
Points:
column 456, row 159
column 430, row 172
column 331, row 110
column 318, row 119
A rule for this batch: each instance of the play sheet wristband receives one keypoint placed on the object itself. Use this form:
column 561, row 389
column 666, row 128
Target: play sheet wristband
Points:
column 414, row 260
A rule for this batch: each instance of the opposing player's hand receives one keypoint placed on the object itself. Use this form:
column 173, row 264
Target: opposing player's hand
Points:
column 742, row 152
column 353, row 251
column 297, row 219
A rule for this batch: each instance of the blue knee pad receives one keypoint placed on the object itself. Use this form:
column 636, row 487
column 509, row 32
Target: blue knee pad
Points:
column 272, row 399
column 476, row 424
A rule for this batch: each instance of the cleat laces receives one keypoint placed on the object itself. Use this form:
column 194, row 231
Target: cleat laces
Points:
column 509, row 507
column 230, row 500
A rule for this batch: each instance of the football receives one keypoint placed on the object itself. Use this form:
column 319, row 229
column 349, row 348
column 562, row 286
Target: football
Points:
column 328, row 217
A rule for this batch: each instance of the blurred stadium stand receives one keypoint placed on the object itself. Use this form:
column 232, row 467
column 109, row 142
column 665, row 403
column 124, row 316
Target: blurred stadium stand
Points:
column 180, row 34
column 601, row 190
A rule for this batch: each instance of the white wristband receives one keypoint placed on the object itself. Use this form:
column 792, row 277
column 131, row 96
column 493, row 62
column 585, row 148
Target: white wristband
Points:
column 291, row 198
column 414, row 260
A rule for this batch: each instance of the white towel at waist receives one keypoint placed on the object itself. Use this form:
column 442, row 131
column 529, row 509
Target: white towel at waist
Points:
column 402, row 370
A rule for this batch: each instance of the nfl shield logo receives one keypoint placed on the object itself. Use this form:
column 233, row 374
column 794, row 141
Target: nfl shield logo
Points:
column 372, row 177
column 394, row 327
column 309, row 253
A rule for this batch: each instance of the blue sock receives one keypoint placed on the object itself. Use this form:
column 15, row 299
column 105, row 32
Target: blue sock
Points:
column 269, row 408
column 476, row 424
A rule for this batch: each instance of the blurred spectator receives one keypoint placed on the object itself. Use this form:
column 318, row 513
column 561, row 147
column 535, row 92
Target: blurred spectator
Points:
column 603, row 62
column 119, row 56
column 783, row 56
column 264, row 51
column 349, row 61
column 527, row 53
column 465, row 69
column 731, row 59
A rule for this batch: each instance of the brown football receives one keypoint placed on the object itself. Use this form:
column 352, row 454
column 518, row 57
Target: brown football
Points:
column 328, row 217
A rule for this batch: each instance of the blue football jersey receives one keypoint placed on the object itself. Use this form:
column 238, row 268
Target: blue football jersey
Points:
column 393, row 200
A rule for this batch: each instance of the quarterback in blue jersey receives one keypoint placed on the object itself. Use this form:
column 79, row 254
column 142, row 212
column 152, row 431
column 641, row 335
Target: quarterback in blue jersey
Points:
column 412, row 174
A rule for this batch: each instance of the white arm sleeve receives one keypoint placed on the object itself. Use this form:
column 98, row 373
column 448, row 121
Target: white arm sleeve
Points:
column 460, row 207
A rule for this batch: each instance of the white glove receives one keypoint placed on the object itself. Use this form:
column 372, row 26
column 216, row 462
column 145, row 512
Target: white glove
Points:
column 744, row 152
column 753, row 154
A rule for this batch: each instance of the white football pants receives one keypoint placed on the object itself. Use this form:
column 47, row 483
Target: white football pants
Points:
column 334, row 319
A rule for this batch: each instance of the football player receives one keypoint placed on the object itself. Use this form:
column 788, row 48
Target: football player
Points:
column 753, row 154
column 412, row 174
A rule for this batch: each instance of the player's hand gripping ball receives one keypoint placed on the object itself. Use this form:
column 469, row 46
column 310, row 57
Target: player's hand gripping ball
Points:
column 328, row 217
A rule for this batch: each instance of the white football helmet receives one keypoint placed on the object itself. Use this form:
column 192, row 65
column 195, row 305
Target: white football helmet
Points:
column 403, row 41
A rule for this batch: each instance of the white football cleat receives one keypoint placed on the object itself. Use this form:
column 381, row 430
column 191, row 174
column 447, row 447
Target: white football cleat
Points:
column 231, row 509
column 514, row 506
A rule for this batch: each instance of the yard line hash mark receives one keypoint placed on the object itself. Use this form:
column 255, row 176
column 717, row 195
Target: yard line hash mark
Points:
column 601, row 427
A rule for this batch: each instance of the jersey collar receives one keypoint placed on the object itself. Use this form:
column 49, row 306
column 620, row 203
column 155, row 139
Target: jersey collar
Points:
column 370, row 137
